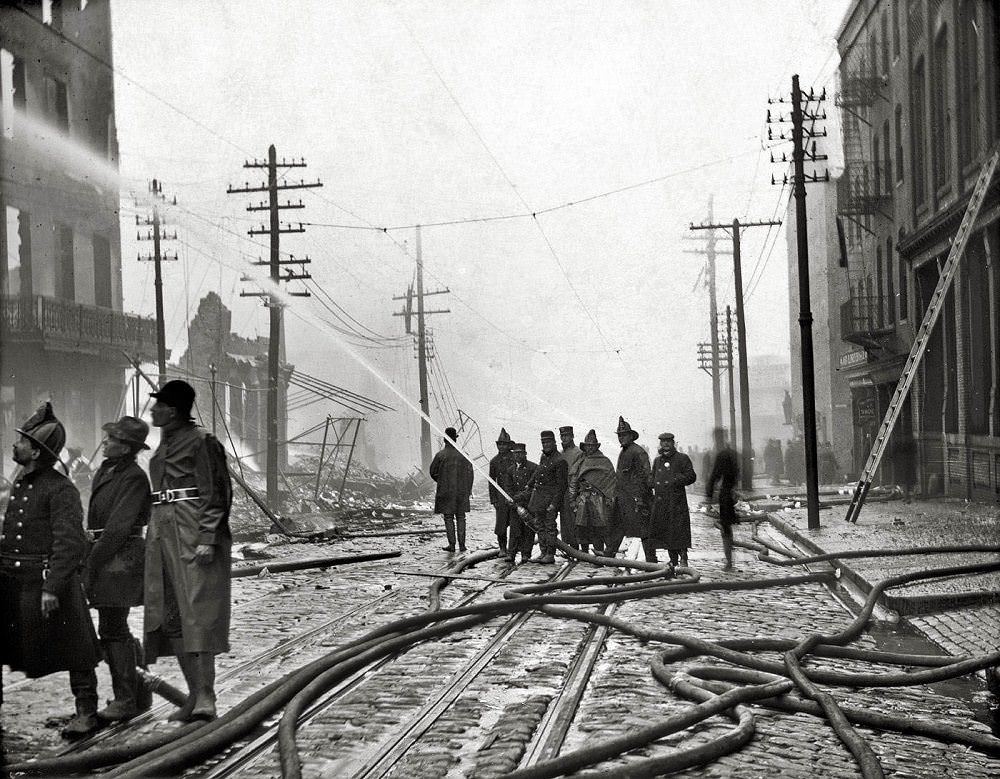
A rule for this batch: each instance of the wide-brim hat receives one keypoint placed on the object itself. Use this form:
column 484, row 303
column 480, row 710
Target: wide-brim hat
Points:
column 129, row 430
column 504, row 437
column 624, row 427
column 44, row 430
column 176, row 393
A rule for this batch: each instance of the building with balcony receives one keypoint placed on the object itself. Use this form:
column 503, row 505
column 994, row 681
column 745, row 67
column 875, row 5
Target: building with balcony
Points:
column 62, row 329
column 918, row 94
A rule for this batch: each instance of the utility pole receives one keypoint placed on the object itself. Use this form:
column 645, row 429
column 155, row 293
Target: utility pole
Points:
column 211, row 369
column 746, row 444
column 800, row 115
column 270, row 297
column 156, row 235
column 729, row 355
column 422, row 355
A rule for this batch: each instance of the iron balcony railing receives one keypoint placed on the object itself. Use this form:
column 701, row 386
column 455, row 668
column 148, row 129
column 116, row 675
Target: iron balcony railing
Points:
column 864, row 320
column 862, row 189
column 67, row 324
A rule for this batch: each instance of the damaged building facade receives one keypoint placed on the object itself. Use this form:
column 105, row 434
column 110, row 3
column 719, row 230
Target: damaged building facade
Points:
column 918, row 96
column 63, row 329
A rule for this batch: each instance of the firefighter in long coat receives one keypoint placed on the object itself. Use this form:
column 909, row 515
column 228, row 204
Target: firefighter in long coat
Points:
column 670, row 523
column 188, row 552
column 499, row 472
column 454, row 476
column 572, row 454
column 633, row 490
column 546, row 490
column 45, row 626
column 592, row 490
column 119, row 509
column 519, row 474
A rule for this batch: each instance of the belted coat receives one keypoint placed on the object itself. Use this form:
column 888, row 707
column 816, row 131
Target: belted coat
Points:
column 454, row 476
column 202, row 591
column 633, row 492
column 42, row 548
column 548, row 484
column 120, row 505
column 670, row 524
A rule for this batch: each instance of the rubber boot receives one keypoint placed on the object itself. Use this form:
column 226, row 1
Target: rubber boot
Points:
column 124, row 681
column 585, row 548
column 186, row 661
column 449, row 529
column 204, row 700
column 649, row 549
column 502, row 543
column 143, row 692
column 84, row 687
column 460, row 526
column 727, row 547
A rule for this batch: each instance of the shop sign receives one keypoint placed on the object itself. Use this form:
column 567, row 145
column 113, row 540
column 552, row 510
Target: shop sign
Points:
column 853, row 358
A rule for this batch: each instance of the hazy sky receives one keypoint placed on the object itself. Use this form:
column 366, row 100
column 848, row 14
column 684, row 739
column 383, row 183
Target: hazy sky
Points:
column 422, row 112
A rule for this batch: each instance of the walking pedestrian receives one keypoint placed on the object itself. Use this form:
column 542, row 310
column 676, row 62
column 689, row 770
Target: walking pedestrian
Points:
column 44, row 623
column 546, row 490
column 725, row 472
column 592, row 495
column 453, row 474
column 188, row 549
column 670, row 524
column 572, row 454
column 119, row 509
column 633, row 490
column 499, row 472
column 522, row 536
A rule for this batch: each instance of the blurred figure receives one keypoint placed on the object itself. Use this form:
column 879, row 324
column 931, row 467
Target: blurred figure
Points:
column 670, row 523
column 522, row 537
column 795, row 461
column 827, row 464
column 592, row 493
column 633, row 490
column 454, row 475
column 904, row 455
column 499, row 472
column 120, row 504
column 44, row 622
column 725, row 472
column 572, row 454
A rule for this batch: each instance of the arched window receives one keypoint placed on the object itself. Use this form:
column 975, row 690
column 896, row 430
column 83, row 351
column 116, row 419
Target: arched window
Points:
column 970, row 115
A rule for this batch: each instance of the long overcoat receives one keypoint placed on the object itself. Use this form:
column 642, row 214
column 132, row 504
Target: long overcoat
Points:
column 41, row 550
column 454, row 476
column 175, row 529
column 119, row 508
column 670, row 524
column 633, row 492
column 548, row 484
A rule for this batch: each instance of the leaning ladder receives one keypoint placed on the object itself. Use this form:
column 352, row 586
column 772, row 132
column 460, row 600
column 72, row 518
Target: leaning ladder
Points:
column 923, row 335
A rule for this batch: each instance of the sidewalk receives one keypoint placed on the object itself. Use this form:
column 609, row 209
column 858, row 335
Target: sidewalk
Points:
column 960, row 614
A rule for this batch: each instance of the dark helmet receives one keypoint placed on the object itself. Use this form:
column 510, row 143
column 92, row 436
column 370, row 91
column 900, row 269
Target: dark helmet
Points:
column 45, row 431
column 177, row 394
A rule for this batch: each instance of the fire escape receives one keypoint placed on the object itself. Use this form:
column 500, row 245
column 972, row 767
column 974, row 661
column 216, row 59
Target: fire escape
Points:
column 863, row 192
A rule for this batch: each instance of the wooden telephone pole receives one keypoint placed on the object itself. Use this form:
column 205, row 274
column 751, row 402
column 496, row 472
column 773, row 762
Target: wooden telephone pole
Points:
column 157, row 235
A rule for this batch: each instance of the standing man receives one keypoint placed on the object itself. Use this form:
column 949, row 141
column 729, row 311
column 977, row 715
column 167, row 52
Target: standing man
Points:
column 522, row 537
column 670, row 525
column 633, row 490
column 44, row 623
column 453, row 474
column 188, row 549
column 592, row 494
column 499, row 472
column 547, row 489
column 119, row 510
column 725, row 471
column 567, row 515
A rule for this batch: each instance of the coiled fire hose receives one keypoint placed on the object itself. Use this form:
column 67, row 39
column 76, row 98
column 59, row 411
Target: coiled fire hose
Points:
column 711, row 689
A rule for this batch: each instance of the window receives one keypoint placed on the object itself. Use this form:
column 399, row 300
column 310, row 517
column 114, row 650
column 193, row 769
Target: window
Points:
column 969, row 85
column 879, row 289
column 885, row 44
column 12, row 84
column 15, row 266
column 899, row 143
column 102, row 271
column 877, row 166
column 887, row 156
column 904, row 298
column 890, row 282
column 57, row 102
column 940, row 113
column 918, row 119
column 52, row 13
column 895, row 27
column 65, row 272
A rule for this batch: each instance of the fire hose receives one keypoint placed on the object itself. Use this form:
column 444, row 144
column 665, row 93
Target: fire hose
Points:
column 758, row 680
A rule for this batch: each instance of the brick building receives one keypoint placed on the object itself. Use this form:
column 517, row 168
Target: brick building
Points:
column 62, row 328
column 918, row 94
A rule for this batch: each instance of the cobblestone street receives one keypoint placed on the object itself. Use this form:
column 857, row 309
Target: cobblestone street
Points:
column 484, row 701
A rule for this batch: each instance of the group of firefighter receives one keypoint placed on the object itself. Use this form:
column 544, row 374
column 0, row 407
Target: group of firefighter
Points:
column 577, row 494
column 54, row 568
